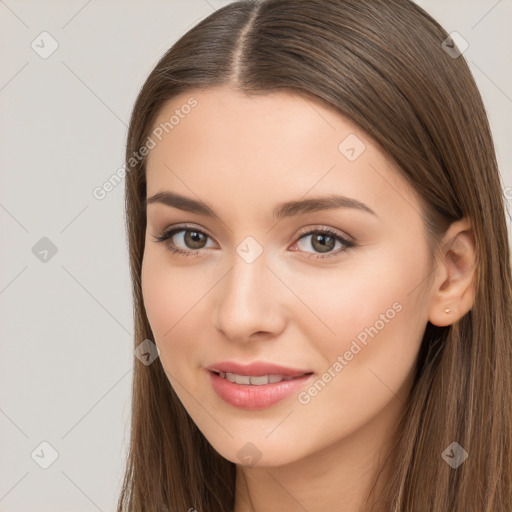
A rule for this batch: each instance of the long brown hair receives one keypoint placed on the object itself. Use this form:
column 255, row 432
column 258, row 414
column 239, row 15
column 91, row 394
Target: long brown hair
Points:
column 383, row 65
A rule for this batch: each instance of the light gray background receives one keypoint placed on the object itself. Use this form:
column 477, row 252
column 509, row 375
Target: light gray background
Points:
column 66, row 324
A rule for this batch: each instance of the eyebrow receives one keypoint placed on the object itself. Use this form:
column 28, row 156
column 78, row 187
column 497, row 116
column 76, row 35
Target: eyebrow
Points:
column 286, row 209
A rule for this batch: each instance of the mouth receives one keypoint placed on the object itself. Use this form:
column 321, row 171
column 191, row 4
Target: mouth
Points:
column 255, row 389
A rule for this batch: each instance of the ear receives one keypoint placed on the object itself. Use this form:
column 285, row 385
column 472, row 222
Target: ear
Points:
column 454, row 286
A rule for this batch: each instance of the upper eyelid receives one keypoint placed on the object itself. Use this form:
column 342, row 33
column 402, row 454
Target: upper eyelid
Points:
column 302, row 231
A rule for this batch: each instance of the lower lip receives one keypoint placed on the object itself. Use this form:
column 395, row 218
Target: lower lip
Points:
column 246, row 396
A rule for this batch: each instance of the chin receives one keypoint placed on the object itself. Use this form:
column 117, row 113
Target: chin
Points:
column 255, row 453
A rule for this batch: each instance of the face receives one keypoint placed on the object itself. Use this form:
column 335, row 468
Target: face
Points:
column 331, row 289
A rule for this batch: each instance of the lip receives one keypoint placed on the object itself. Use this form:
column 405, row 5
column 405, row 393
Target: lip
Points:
column 256, row 369
column 252, row 397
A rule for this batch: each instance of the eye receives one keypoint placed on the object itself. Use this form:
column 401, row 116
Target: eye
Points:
column 193, row 238
column 323, row 240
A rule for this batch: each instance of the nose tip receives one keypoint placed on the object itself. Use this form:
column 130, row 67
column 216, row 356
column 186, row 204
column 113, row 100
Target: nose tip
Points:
column 248, row 304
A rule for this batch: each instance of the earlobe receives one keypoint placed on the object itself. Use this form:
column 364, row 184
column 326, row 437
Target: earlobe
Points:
column 453, row 291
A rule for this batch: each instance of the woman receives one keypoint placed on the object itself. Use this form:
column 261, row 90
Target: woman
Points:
column 319, row 251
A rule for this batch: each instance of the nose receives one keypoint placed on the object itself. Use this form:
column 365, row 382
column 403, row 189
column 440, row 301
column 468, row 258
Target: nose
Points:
column 250, row 302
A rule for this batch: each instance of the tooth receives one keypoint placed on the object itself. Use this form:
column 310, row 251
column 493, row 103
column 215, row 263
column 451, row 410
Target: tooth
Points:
column 258, row 381
column 243, row 379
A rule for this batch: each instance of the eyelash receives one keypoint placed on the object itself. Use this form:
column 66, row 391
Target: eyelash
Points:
column 166, row 235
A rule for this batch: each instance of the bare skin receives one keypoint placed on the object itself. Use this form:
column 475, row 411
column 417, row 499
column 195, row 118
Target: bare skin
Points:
column 243, row 156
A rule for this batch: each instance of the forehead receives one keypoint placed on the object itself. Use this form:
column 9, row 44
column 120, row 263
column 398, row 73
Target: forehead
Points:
column 219, row 111
column 242, row 149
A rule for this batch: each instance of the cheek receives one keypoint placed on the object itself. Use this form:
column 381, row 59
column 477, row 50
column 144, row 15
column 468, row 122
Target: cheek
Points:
column 159, row 300
column 173, row 299
column 166, row 291
column 370, row 315
column 369, row 360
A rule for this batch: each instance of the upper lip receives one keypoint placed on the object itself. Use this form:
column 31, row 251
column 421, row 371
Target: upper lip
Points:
column 256, row 369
